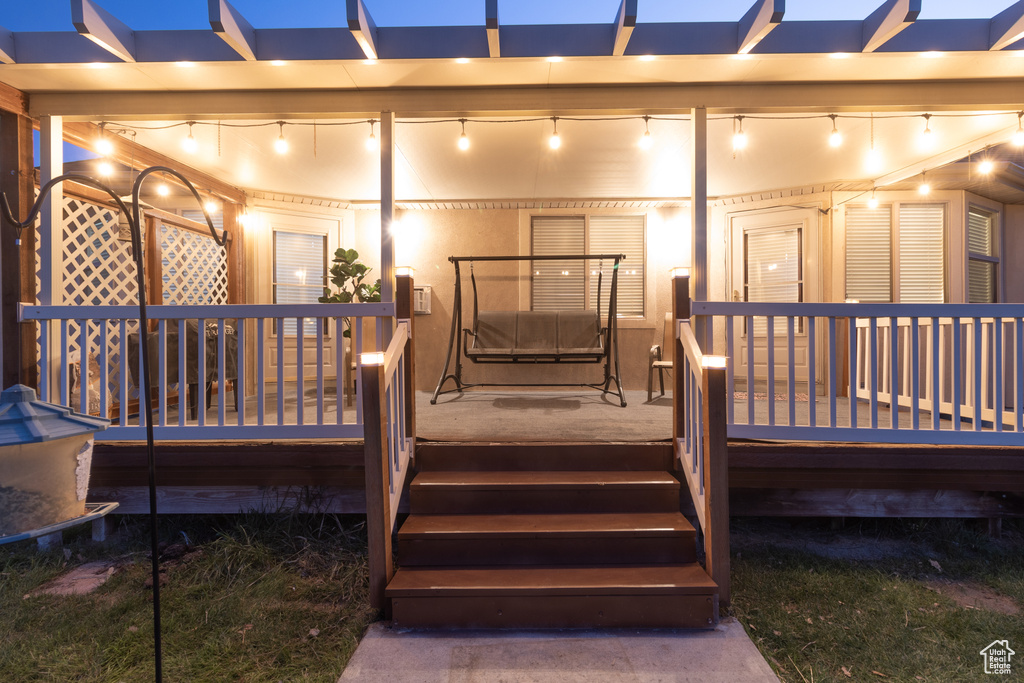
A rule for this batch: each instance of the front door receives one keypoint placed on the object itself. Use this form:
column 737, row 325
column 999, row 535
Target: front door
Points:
column 774, row 259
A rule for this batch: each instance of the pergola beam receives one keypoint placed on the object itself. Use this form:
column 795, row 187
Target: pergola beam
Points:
column 493, row 43
column 6, row 46
column 96, row 24
column 231, row 26
column 360, row 23
column 758, row 22
column 624, row 26
column 888, row 20
column 1007, row 27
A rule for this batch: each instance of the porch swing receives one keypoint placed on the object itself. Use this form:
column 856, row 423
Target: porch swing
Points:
column 564, row 336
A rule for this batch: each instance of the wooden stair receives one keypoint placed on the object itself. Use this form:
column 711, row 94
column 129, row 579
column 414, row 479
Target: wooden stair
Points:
column 548, row 536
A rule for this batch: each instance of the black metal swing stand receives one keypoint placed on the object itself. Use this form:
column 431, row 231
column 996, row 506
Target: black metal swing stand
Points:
column 535, row 337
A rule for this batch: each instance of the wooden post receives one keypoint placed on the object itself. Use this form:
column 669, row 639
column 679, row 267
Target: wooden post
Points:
column 378, row 498
column 17, row 263
column 716, row 481
column 404, row 296
column 680, row 311
column 387, row 218
column 154, row 265
column 699, row 215
column 236, row 253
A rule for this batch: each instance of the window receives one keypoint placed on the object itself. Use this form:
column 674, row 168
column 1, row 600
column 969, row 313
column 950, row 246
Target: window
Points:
column 300, row 272
column 572, row 284
column 773, row 269
column 909, row 269
column 982, row 257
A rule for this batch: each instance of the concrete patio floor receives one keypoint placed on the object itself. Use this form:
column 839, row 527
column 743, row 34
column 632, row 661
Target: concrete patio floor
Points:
column 721, row 655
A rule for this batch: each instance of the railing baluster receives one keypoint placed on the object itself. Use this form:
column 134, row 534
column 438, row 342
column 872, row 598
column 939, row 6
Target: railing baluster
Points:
column 83, row 366
column 222, row 360
column 64, row 393
column 854, row 370
column 339, row 370
column 915, row 374
column 44, row 360
column 201, row 350
column 979, row 398
column 104, row 370
column 832, row 371
column 161, row 352
column 750, row 369
column 240, row 325
column 300, row 370
column 261, row 372
column 183, row 387
column 357, row 352
column 791, row 368
column 998, row 400
column 812, row 376
column 123, row 379
column 873, row 390
column 956, row 355
column 1018, row 405
column 936, row 372
column 894, row 373
column 280, row 371
column 143, row 394
column 771, row 369
column 319, row 371
column 730, row 380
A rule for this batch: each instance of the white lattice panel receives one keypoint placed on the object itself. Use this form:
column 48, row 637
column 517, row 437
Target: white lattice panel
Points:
column 195, row 268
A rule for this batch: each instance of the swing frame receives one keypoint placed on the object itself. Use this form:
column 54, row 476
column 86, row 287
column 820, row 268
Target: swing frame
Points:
column 608, row 334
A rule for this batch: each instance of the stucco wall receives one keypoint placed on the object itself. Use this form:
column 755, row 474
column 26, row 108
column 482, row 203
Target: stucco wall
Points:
column 1013, row 254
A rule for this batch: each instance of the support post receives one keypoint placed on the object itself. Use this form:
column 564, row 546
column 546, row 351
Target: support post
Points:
column 699, row 216
column 378, row 498
column 17, row 263
column 716, row 480
column 50, row 233
column 404, row 297
column 387, row 218
column 680, row 311
column 154, row 265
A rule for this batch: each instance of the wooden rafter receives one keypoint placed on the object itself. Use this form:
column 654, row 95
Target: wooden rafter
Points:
column 888, row 20
column 1007, row 27
column 232, row 27
column 493, row 43
column 624, row 26
column 7, row 55
column 758, row 22
column 131, row 153
column 13, row 100
column 360, row 23
column 102, row 28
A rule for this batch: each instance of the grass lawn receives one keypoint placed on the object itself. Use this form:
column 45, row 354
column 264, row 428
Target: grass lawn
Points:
column 246, row 598
column 900, row 600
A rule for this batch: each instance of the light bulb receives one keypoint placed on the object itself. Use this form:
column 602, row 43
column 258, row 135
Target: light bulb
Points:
column 163, row 190
column 211, row 206
column 104, row 147
column 555, row 141
column 739, row 141
column 1018, row 136
column 371, row 143
column 924, row 188
column 986, row 166
column 927, row 139
column 281, row 145
column 105, row 168
column 836, row 138
column 189, row 144
column 463, row 142
column 645, row 140
column 873, row 202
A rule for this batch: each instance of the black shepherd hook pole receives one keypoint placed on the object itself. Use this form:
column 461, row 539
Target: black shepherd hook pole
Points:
column 134, row 222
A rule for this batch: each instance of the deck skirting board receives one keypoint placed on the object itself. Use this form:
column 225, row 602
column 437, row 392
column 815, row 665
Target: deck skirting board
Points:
column 873, row 503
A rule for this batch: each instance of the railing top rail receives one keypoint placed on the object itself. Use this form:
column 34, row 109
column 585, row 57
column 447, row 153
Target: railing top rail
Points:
column 190, row 312
column 395, row 348
column 845, row 310
column 690, row 347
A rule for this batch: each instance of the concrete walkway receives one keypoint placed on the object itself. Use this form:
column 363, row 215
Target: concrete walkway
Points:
column 722, row 655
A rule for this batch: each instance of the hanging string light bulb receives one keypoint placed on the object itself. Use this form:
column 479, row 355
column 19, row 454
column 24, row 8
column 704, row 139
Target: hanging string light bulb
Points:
column 835, row 138
column 927, row 138
column 189, row 144
column 105, row 168
column 281, row 145
column 104, row 146
column 554, row 141
column 211, row 206
column 1018, row 136
column 986, row 166
column 463, row 140
column 372, row 145
column 924, row 188
column 645, row 139
column 739, row 138
column 873, row 202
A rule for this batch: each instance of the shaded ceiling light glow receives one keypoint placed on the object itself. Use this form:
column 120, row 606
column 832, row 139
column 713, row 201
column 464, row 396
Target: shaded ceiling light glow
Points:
column 739, row 138
column 463, row 140
column 103, row 144
column 1018, row 136
column 835, row 138
column 185, row 65
column 840, row 55
column 462, row 60
column 371, row 142
column 873, row 202
column 105, row 168
column 554, row 141
column 554, row 59
column 645, row 140
column 278, row 62
column 189, row 144
column 281, row 145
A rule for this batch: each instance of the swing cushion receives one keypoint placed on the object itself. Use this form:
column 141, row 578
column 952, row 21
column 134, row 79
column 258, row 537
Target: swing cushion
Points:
column 537, row 334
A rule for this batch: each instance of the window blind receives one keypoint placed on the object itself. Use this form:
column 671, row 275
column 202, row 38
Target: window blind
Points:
column 558, row 284
column 869, row 254
column 619, row 235
column 300, row 272
column 773, row 269
column 981, row 272
column 922, row 253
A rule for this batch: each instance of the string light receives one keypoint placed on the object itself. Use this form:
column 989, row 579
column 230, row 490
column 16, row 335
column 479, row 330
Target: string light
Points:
column 927, row 139
column 211, row 206
column 463, row 140
column 371, row 142
column 1018, row 136
column 103, row 144
column 645, row 140
column 189, row 144
column 739, row 138
column 924, row 188
column 163, row 190
column 873, row 159
column 873, row 202
column 281, row 145
column 105, row 168
column 986, row 166
column 836, row 138
column 554, row 141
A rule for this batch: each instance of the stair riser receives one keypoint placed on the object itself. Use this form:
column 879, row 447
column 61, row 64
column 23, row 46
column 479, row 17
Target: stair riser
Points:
column 445, row 500
column 616, row 611
column 679, row 549
column 543, row 457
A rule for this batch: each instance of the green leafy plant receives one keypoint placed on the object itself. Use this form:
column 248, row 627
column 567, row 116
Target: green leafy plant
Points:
column 348, row 275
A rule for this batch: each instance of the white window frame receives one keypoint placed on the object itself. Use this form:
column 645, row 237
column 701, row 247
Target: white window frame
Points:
column 994, row 210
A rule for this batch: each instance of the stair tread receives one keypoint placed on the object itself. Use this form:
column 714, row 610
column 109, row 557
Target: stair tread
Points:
column 531, row 525
column 683, row 579
column 545, row 479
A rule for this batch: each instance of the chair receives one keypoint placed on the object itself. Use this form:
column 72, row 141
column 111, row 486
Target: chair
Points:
column 660, row 357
